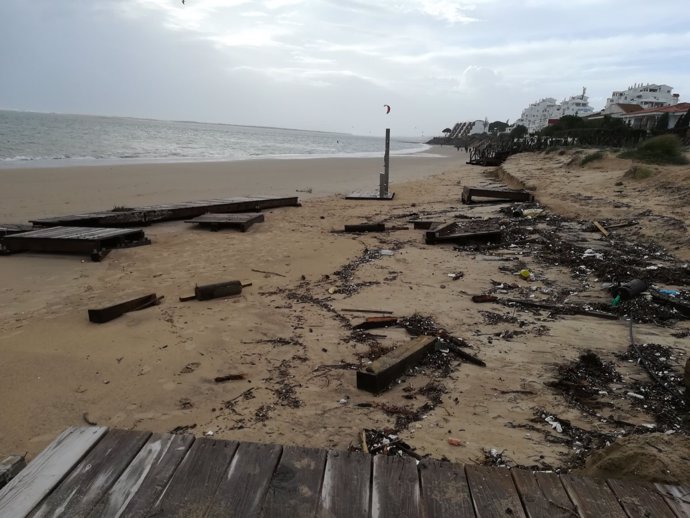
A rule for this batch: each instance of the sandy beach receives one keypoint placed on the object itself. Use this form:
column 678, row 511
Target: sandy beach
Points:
column 287, row 334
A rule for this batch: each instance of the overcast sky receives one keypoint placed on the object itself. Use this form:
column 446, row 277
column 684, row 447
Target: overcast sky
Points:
column 332, row 64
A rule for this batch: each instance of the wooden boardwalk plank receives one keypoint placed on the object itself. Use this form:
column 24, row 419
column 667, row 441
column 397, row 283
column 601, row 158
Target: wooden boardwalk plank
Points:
column 241, row 492
column 346, row 485
column 143, row 481
column 395, row 488
column 444, row 490
column 190, row 491
column 91, row 479
column 296, row 484
column 33, row 483
column 592, row 497
column 543, row 495
column 493, row 492
column 640, row 499
column 677, row 498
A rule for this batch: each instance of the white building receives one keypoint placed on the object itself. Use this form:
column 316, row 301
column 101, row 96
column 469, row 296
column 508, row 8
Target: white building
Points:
column 647, row 96
column 537, row 115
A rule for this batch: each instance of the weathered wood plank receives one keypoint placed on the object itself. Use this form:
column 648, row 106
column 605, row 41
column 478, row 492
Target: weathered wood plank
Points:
column 190, row 492
column 243, row 488
column 86, row 484
column 9, row 467
column 445, row 491
column 640, row 499
column 346, row 486
column 493, row 492
column 543, row 496
column 296, row 484
column 106, row 314
column 395, row 488
column 381, row 373
column 33, row 483
column 145, row 478
column 592, row 497
column 677, row 498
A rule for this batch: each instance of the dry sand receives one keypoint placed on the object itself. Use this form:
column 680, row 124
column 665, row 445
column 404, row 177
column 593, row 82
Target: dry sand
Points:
column 154, row 369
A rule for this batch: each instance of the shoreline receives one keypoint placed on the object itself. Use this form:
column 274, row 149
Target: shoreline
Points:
column 64, row 190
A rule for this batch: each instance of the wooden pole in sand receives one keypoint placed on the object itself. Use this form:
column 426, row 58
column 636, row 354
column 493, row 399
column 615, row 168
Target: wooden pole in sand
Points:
column 383, row 181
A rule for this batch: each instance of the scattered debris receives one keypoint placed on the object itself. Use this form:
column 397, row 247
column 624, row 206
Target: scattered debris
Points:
column 268, row 273
column 182, row 429
column 376, row 322
column 190, row 367
column 217, row 290
column 495, row 194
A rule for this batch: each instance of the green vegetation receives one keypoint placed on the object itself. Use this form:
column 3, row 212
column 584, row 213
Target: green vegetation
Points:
column 498, row 127
column 664, row 149
column 597, row 155
column 638, row 172
column 519, row 131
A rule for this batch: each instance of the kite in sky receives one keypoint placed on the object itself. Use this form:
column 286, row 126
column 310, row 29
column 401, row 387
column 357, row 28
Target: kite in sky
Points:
column 388, row 108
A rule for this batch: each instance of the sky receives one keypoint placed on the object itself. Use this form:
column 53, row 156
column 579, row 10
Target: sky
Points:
column 332, row 65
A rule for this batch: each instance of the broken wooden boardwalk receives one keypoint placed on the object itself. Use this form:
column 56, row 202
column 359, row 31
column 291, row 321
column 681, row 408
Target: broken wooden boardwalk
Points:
column 7, row 229
column 96, row 242
column 240, row 221
column 495, row 194
column 96, row 472
column 173, row 211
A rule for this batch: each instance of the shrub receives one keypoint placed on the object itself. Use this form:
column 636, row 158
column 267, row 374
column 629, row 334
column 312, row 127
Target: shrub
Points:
column 638, row 172
column 664, row 149
column 597, row 155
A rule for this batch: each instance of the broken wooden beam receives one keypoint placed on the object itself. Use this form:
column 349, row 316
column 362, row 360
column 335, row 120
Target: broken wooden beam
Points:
column 564, row 308
column 366, row 227
column 10, row 467
column 496, row 194
column 103, row 315
column 453, row 233
column 419, row 224
column 216, row 290
column 462, row 354
column 382, row 372
column 682, row 307
column 376, row 322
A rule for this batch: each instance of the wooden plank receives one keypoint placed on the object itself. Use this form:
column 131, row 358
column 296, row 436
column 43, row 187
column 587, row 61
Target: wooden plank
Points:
column 215, row 221
column 295, row 486
column 191, row 489
column 243, row 488
column 543, row 496
column 677, row 498
column 592, row 497
column 346, row 485
column 395, row 488
column 102, row 315
column 493, row 492
column 9, row 467
column 600, row 228
column 34, row 482
column 640, row 499
column 445, row 491
column 91, row 479
column 145, row 478
column 374, row 195
column 381, row 373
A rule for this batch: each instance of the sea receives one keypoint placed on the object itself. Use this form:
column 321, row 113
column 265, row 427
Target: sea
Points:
column 29, row 139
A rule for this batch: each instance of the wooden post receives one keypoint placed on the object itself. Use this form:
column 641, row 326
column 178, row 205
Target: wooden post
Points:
column 383, row 187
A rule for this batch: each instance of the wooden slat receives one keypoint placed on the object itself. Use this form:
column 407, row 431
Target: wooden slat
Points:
column 395, row 488
column 190, row 491
column 91, row 479
column 145, row 478
column 493, row 492
column 592, row 497
column 34, row 482
column 640, row 499
column 677, row 498
column 444, row 490
column 242, row 490
column 295, row 486
column 543, row 496
column 346, row 485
